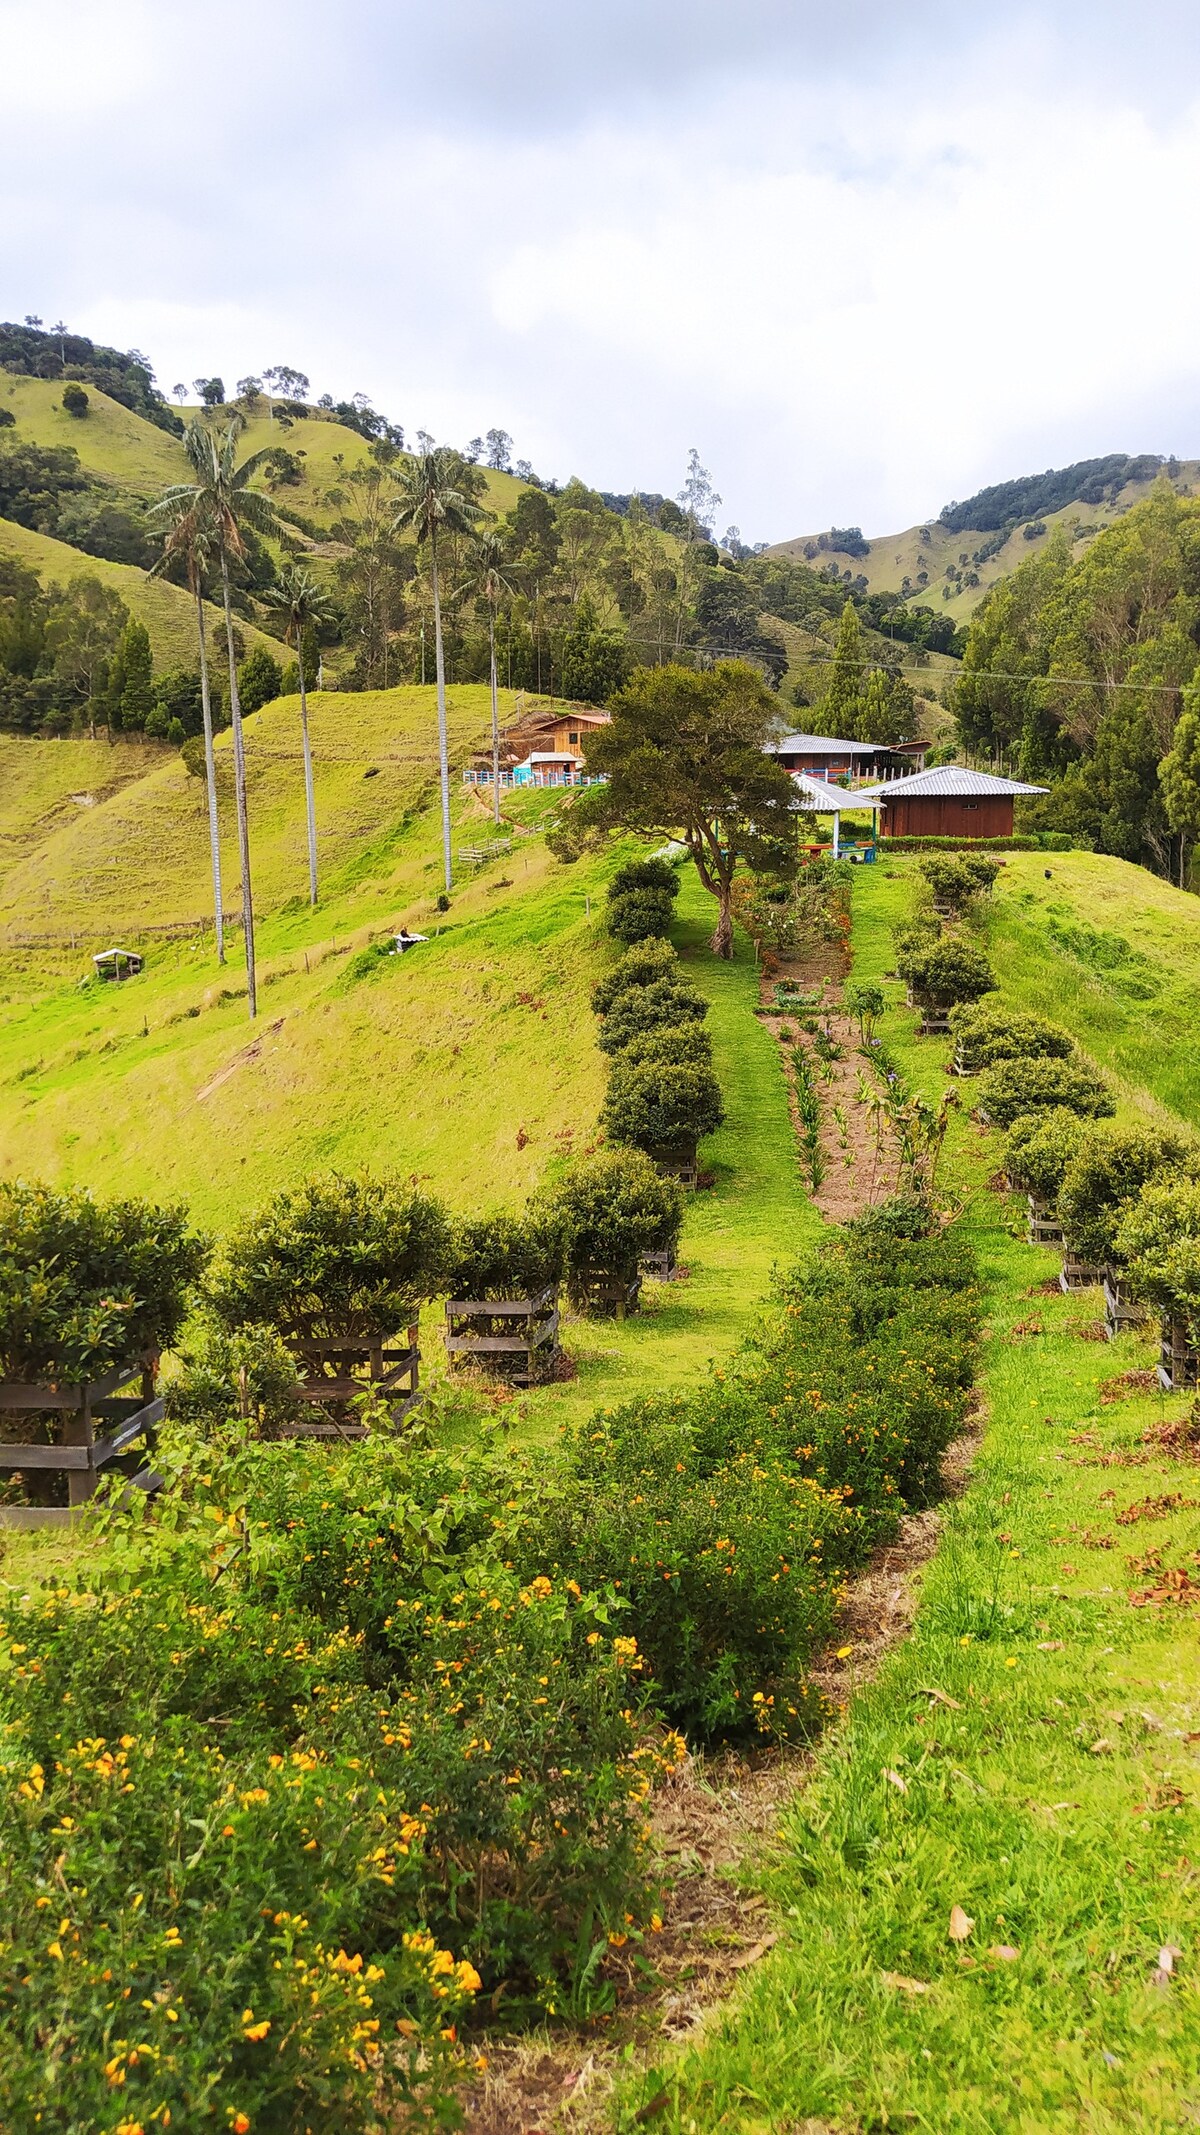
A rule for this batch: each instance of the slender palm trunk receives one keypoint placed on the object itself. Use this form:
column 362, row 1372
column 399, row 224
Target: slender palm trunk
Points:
column 210, row 780
column 443, row 738
column 495, row 718
column 239, row 780
column 309, row 804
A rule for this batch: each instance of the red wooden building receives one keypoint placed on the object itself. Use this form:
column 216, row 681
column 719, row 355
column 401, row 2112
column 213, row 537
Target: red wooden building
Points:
column 948, row 802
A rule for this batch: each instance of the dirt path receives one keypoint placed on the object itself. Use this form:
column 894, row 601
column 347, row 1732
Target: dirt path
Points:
column 859, row 1165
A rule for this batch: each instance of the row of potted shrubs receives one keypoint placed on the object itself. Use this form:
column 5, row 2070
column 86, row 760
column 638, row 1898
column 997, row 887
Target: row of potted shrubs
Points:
column 346, row 1745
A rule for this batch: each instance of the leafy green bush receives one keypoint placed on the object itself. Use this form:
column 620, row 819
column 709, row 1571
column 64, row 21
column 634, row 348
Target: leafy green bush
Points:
column 658, row 1106
column 614, row 1209
column 640, row 915
column 333, row 1257
column 643, row 965
column 950, row 879
column 652, row 874
column 247, row 1372
column 1016, row 1086
column 864, row 999
column 87, row 1284
column 1157, row 1243
column 981, row 867
column 645, row 1008
column 987, row 1032
column 1039, row 1147
column 913, row 940
column 1105, row 1175
column 505, row 1256
column 950, row 971
column 673, row 1044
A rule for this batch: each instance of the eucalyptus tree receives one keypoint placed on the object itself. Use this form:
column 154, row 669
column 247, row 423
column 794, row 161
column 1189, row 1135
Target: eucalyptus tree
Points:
column 304, row 605
column 223, row 505
column 188, row 540
column 485, row 579
column 435, row 498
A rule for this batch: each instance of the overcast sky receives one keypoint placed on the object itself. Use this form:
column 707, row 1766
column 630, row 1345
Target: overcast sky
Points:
column 864, row 257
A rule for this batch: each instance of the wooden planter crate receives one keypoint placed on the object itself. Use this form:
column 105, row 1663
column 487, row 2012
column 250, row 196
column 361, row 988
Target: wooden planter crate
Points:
column 1077, row 1275
column 82, row 1452
column 679, row 1164
column 662, row 1266
column 602, row 1295
column 935, row 1018
column 958, row 1065
column 514, row 1335
column 339, row 1372
column 1044, row 1226
column 1122, row 1313
column 1179, row 1361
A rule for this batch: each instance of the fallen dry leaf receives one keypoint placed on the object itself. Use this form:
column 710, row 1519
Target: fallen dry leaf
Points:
column 1163, row 1972
column 752, row 1955
column 940, row 1697
column 1005, row 1952
column 904, row 1985
column 961, row 1924
column 894, row 1780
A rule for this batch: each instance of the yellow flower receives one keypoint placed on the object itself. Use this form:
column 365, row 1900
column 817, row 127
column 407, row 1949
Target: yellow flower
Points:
column 240, row 2124
column 468, row 1977
column 257, row 2031
column 443, row 1962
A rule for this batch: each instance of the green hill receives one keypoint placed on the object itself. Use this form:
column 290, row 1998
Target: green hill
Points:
column 917, row 560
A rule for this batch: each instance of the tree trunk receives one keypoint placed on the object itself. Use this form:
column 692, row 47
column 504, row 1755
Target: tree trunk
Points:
column 210, row 781
column 239, row 781
column 309, row 805
column 495, row 718
column 722, row 941
column 443, row 741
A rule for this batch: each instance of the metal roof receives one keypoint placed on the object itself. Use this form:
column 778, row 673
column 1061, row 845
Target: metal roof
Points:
column 819, row 797
column 821, row 745
column 944, row 782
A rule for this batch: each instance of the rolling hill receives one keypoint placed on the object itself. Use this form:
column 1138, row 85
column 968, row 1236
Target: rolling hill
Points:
column 916, row 561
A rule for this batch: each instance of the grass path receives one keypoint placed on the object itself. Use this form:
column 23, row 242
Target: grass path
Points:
column 1025, row 1756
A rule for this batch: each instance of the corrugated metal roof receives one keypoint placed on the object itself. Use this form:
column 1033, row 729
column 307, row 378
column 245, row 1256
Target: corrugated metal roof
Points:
column 944, row 782
column 818, row 796
column 820, row 745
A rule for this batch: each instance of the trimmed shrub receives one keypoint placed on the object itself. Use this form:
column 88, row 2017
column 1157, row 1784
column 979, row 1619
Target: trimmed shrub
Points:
column 673, row 1044
column 1157, row 1243
column 1039, row 1147
column 913, row 940
column 613, row 1208
column 983, row 869
column 950, row 971
column 504, row 1256
column 333, row 1257
column 657, row 1106
column 653, row 874
column 639, row 915
column 1016, row 1086
column 950, row 879
column 640, row 1009
column 1104, row 1177
column 87, row 1284
column 643, row 965
column 988, row 1032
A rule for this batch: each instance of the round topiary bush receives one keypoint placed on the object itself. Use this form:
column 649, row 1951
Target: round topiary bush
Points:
column 1104, row 1177
column 645, row 1008
column 653, row 874
column 643, row 965
column 639, row 915
column 672, row 1044
column 613, row 1208
column 951, row 881
column 950, row 971
column 1016, row 1086
column 913, row 940
column 656, row 1106
column 987, row 1032
column 86, row 1285
column 982, row 868
column 333, row 1257
column 1040, row 1146
column 505, row 1256
column 1157, row 1242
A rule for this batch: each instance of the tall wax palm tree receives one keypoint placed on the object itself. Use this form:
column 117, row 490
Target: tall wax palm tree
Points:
column 486, row 580
column 190, row 541
column 224, row 503
column 434, row 493
column 303, row 604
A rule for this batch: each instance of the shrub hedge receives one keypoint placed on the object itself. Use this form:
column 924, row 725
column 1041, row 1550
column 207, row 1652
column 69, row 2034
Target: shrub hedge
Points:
column 659, row 1105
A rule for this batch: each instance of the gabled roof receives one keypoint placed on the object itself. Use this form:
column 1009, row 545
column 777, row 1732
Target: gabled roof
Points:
column 819, row 797
column 945, row 782
column 821, row 745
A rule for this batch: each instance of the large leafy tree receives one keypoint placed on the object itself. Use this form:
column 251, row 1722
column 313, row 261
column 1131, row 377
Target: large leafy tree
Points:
column 683, row 756
column 1179, row 778
column 436, row 494
column 304, row 606
column 224, row 504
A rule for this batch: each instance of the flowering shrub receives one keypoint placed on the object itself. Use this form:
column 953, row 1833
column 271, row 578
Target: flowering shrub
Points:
column 1016, row 1086
column 87, row 1284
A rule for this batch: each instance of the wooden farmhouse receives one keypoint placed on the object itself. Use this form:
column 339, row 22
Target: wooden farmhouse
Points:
column 826, row 757
column 546, row 748
column 948, row 802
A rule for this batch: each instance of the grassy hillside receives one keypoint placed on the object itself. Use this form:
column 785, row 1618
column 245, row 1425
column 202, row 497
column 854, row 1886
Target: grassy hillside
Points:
column 167, row 611
column 113, row 443
column 929, row 547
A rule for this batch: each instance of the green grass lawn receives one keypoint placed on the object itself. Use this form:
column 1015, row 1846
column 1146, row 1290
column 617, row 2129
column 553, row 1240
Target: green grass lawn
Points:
column 1025, row 1756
